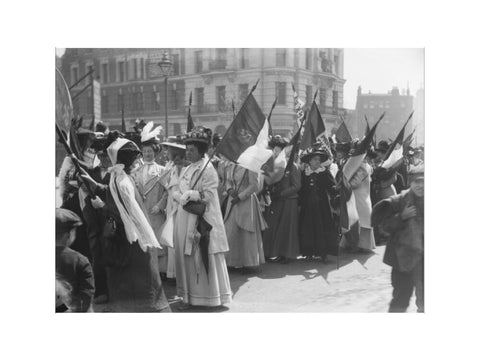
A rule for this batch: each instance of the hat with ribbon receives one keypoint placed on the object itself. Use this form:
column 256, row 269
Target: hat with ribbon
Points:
column 198, row 134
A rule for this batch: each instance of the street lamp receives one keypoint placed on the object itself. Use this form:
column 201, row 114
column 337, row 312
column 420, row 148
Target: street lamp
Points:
column 166, row 67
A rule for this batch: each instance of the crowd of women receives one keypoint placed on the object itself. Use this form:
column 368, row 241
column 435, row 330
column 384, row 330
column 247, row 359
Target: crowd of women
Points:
column 190, row 218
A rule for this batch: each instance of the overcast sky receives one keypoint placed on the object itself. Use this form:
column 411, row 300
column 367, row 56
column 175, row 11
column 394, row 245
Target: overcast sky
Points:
column 376, row 70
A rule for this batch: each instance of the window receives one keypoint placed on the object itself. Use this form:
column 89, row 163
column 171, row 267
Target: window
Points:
column 105, row 104
column 281, row 57
column 121, row 71
column 387, row 104
column 323, row 98
column 308, row 96
column 142, row 68
column 365, row 106
column 155, row 100
column 104, row 74
column 221, row 103
column 176, row 64
column 89, row 68
column 308, row 59
column 199, row 98
column 243, row 58
column 220, row 62
column 198, row 62
column 337, row 65
column 242, row 92
column 134, row 101
column 281, row 92
column 120, row 102
column 335, row 99
column 135, row 69
column 74, row 75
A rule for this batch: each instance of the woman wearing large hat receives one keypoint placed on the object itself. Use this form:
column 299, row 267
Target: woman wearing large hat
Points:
column 280, row 239
column 317, row 226
column 154, row 194
column 175, row 168
column 201, row 272
column 130, row 244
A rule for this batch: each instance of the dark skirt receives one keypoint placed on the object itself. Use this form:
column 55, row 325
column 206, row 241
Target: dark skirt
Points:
column 317, row 231
column 281, row 237
column 136, row 286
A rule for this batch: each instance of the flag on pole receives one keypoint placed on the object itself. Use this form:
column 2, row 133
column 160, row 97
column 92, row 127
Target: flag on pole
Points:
column 408, row 141
column 298, row 107
column 348, row 208
column 355, row 160
column 395, row 151
column 294, row 145
column 246, row 140
column 124, row 126
column 342, row 134
column 367, row 128
column 190, row 123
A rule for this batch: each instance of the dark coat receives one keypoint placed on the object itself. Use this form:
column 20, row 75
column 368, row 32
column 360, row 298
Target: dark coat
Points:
column 405, row 248
column 75, row 269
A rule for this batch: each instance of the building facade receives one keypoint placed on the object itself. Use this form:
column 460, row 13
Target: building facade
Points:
column 397, row 108
column 131, row 80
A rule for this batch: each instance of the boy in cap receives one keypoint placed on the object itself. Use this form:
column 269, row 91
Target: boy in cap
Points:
column 402, row 216
column 72, row 267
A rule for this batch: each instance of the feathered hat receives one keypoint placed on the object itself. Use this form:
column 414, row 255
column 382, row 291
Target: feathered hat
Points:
column 313, row 151
column 277, row 140
column 149, row 136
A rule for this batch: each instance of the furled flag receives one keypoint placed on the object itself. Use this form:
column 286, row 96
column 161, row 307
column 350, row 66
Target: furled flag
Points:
column 367, row 128
column 298, row 107
column 246, row 140
column 315, row 130
column 190, row 123
column 407, row 142
column 355, row 160
column 395, row 151
column 342, row 134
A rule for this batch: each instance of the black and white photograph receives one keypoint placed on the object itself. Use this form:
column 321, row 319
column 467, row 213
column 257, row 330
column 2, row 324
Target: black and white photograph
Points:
column 239, row 180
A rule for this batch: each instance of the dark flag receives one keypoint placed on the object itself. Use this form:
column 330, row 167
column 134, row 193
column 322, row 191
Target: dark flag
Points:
column 395, row 151
column 124, row 126
column 367, row 128
column 407, row 142
column 246, row 140
column 355, row 160
column 294, row 144
column 342, row 134
column 190, row 123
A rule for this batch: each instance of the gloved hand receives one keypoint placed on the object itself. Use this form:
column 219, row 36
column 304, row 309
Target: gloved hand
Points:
column 235, row 200
column 176, row 196
column 97, row 203
column 190, row 195
column 155, row 210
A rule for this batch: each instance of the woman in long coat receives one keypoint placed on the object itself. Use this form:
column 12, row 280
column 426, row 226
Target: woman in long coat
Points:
column 175, row 168
column 134, row 283
column 194, row 284
column 360, row 184
column 317, row 225
column 280, row 239
column 244, row 222
column 153, row 193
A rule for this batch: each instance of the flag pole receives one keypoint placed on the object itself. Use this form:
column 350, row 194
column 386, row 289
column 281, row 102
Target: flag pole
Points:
column 273, row 106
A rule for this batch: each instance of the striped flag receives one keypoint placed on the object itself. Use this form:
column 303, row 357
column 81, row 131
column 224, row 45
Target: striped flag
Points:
column 246, row 140
column 298, row 107
column 395, row 151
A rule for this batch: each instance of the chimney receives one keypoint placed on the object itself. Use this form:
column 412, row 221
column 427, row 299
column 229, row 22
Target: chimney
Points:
column 359, row 91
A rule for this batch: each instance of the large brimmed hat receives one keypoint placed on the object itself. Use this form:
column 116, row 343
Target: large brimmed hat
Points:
column 198, row 134
column 416, row 172
column 149, row 135
column 174, row 142
column 65, row 220
column 311, row 152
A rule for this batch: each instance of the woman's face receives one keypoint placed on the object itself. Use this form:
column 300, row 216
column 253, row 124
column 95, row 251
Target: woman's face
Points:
column 177, row 156
column 192, row 153
column 148, row 153
column 315, row 162
column 135, row 165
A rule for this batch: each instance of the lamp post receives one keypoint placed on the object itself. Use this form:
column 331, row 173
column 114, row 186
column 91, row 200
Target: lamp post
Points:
column 166, row 67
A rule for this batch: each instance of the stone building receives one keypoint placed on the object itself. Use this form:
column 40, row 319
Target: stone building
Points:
column 397, row 108
column 131, row 80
